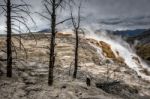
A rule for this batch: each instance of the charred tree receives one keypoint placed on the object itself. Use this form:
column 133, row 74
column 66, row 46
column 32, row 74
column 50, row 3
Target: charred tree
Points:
column 14, row 12
column 52, row 6
column 52, row 44
column 9, row 46
column 76, row 54
column 76, row 28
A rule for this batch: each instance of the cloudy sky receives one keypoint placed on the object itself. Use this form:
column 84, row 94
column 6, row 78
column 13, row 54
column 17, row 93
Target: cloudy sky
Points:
column 102, row 14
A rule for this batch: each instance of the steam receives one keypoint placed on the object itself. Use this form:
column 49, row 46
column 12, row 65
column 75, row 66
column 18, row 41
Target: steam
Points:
column 125, row 51
column 118, row 45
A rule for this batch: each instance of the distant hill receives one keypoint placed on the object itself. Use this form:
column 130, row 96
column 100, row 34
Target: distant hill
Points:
column 129, row 33
column 44, row 31
column 143, row 37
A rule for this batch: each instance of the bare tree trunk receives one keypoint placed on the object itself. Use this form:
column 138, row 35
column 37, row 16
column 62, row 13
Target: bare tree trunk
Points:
column 76, row 25
column 20, row 42
column 51, row 7
column 9, row 45
column 76, row 55
column 14, row 13
column 52, row 45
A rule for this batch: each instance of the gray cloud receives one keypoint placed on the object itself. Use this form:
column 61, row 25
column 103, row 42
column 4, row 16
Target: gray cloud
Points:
column 119, row 14
column 109, row 14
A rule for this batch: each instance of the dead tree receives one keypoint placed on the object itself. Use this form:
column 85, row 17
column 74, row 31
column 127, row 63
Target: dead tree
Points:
column 52, row 6
column 76, row 28
column 14, row 12
column 52, row 44
column 9, row 51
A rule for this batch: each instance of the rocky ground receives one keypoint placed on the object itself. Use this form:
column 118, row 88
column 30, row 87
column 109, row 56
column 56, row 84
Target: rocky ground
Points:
column 108, row 80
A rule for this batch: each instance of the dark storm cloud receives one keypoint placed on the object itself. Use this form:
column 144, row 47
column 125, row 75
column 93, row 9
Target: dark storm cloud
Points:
column 142, row 20
column 109, row 14
column 120, row 13
column 112, row 21
column 122, row 8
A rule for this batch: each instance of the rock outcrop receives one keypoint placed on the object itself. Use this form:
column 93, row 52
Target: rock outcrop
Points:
column 106, row 50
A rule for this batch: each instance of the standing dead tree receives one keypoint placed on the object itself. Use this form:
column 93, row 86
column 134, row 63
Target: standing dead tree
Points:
column 52, row 7
column 76, row 28
column 14, row 11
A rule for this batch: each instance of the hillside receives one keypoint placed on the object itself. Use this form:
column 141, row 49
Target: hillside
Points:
column 110, row 75
column 130, row 33
column 143, row 37
column 143, row 44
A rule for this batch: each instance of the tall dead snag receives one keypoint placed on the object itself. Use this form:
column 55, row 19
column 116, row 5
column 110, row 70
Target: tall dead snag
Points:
column 76, row 27
column 14, row 11
column 9, row 51
column 52, row 6
column 52, row 44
